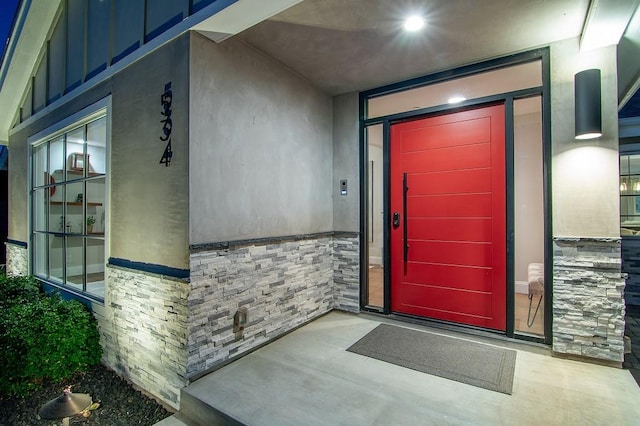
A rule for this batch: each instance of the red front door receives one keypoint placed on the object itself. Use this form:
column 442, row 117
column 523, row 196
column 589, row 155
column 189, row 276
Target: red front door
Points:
column 448, row 260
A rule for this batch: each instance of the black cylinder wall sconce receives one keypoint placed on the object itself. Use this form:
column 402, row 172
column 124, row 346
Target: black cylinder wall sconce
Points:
column 588, row 97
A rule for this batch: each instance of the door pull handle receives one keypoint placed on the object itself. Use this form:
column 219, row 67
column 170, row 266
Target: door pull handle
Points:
column 405, row 189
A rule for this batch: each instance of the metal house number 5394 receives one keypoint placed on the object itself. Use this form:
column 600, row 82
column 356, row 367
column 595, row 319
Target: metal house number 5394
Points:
column 165, row 100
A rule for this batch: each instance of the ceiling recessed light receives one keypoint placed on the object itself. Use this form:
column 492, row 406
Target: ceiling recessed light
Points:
column 456, row 99
column 413, row 23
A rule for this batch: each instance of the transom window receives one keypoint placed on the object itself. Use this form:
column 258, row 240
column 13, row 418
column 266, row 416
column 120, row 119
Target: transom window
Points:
column 69, row 207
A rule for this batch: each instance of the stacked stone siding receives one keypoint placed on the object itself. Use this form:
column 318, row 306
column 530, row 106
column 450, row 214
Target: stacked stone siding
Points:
column 588, row 298
column 143, row 328
column 17, row 259
column 346, row 272
column 282, row 285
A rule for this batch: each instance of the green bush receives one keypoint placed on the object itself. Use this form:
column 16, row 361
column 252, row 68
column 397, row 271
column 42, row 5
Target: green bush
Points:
column 17, row 289
column 43, row 338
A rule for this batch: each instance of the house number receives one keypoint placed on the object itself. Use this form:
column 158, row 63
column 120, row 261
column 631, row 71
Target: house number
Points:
column 165, row 101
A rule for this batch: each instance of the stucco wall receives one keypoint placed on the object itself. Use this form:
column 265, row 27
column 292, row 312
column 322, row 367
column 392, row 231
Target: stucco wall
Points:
column 18, row 191
column 346, row 163
column 260, row 147
column 149, row 201
column 585, row 173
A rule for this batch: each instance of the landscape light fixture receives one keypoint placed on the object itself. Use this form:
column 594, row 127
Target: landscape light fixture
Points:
column 588, row 98
column 66, row 405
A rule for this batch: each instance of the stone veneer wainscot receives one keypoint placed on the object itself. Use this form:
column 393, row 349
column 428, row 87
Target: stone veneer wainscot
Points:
column 346, row 272
column 588, row 298
column 17, row 259
column 143, row 327
column 283, row 283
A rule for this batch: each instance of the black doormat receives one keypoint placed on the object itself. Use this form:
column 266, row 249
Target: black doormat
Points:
column 468, row 362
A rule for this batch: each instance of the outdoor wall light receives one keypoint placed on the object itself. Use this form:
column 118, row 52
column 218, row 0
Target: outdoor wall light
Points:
column 588, row 99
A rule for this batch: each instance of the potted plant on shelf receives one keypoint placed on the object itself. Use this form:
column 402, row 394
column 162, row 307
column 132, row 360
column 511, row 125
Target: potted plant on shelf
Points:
column 90, row 222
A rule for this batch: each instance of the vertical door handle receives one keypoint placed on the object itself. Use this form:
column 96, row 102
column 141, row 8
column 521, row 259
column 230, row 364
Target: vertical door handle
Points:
column 405, row 189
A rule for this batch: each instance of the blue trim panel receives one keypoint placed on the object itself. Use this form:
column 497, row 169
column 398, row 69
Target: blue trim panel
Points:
column 4, row 157
column 125, row 52
column 66, row 294
column 54, row 98
column 71, row 87
column 96, row 71
column 226, row 245
column 197, row 8
column 17, row 243
column 164, row 27
column 150, row 267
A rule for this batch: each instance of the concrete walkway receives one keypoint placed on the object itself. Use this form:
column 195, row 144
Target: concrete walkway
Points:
column 307, row 377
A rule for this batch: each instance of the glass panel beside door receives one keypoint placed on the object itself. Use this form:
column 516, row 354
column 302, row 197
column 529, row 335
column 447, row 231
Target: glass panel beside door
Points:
column 528, row 217
column 375, row 233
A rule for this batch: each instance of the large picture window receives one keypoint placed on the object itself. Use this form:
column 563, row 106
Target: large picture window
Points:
column 69, row 207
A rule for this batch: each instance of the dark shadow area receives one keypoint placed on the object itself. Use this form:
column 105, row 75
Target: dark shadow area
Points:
column 632, row 329
column 4, row 213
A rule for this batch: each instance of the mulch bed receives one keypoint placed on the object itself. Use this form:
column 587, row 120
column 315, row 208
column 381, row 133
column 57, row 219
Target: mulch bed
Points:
column 120, row 403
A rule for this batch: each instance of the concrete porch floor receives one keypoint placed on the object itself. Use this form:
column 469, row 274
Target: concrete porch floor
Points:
column 308, row 378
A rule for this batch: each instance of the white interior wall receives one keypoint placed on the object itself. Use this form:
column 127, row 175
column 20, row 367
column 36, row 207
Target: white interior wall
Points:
column 529, row 196
column 374, row 138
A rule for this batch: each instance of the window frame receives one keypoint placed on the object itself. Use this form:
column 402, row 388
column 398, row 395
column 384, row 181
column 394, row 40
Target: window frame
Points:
column 82, row 119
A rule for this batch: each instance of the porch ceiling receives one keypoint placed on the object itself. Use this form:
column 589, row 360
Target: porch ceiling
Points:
column 344, row 46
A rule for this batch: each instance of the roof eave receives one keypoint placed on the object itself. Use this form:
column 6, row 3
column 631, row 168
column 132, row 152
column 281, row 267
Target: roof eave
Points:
column 32, row 25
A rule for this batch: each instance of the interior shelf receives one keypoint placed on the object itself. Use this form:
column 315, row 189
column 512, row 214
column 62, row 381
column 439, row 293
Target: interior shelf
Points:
column 74, row 203
column 79, row 172
column 88, row 234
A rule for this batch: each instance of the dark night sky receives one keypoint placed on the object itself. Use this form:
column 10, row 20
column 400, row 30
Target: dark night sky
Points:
column 7, row 10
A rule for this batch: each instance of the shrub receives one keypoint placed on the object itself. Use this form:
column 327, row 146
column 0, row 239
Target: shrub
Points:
column 44, row 338
column 17, row 289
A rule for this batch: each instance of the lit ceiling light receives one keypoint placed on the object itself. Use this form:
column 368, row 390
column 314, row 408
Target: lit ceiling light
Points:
column 413, row 23
column 456, row 99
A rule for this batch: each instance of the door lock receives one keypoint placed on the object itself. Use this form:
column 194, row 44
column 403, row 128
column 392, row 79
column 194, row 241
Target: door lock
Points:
column 396, row 219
